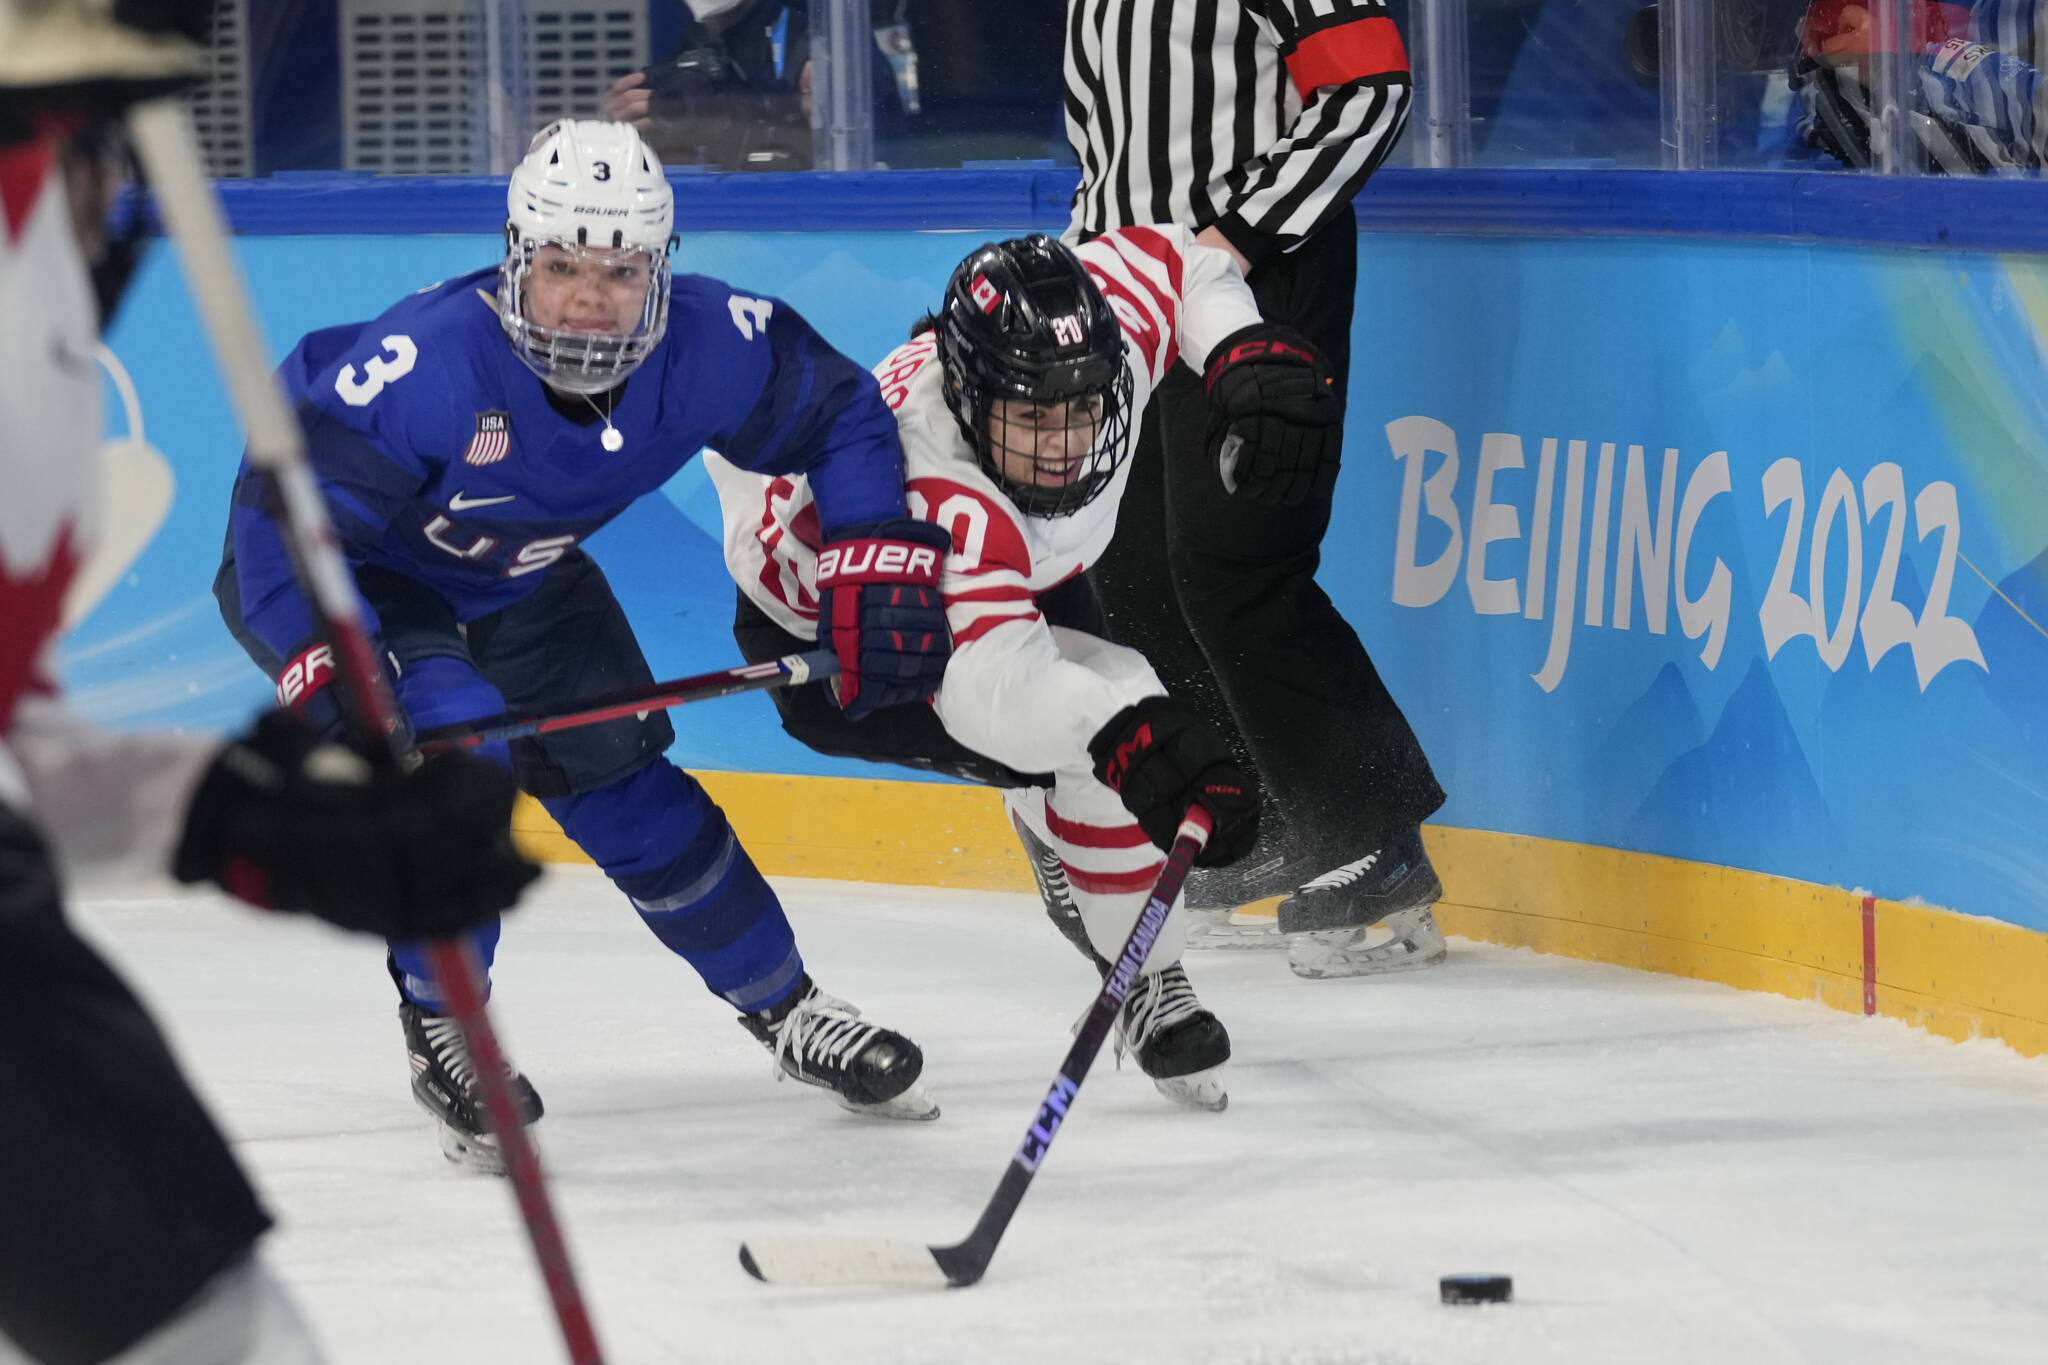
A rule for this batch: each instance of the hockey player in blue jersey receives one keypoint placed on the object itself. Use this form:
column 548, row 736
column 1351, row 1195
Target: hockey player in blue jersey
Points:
column 468, row 441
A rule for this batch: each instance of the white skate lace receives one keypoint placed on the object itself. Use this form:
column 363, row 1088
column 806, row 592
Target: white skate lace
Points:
column 1167, row 997
column 1343, row 876
column 822, row 1029
column 444, row 1035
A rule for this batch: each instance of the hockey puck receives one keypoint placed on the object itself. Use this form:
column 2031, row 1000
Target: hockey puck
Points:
column 1476, row 1288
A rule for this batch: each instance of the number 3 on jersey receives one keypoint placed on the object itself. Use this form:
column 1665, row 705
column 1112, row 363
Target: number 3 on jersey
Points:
column 377, row 372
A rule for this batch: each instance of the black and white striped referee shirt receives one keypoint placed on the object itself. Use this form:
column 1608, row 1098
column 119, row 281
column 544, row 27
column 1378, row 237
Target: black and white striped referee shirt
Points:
column 1257, row 117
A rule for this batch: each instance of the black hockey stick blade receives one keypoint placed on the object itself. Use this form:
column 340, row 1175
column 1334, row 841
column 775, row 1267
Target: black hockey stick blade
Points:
column 790, row 670
column 807, row 1259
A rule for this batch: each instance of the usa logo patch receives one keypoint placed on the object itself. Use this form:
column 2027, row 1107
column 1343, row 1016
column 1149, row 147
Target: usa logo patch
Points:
column 493, row 439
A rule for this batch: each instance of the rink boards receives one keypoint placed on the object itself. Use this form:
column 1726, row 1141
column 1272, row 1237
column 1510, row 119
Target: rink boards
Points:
column 1683, row 556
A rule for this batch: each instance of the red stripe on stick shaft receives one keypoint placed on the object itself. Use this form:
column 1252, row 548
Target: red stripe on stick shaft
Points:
column 1870, row 955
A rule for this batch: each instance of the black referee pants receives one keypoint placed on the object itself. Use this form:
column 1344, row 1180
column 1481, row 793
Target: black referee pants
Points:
column 1221, row 596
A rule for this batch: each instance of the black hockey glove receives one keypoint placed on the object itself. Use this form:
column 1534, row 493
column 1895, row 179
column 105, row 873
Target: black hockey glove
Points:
column 1161, row 757
column 1276, row 419
column 287, row 822
column 879, row 610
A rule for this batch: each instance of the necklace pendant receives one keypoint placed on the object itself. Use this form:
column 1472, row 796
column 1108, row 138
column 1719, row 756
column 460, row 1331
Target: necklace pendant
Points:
column 612, row 439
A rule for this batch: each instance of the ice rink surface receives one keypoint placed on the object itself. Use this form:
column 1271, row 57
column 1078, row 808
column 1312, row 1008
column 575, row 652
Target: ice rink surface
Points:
column 1671, row 1171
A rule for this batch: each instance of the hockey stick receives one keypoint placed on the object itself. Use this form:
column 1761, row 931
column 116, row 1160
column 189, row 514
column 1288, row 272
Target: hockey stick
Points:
column 162, row 133
column 790, row 670
column 800, row 1259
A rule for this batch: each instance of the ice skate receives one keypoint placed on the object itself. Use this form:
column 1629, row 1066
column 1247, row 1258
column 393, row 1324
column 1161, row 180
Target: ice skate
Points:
column 1405, row 941
column 1233, row 907
column 444, row 1084
column 1057, row 892
column 1177, row 1042
column 823, row 1041
column 1367, row 917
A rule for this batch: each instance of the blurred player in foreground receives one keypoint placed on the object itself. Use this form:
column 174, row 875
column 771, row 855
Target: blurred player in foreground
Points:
column 1016, row 405
column 126, row 1227
column 468, row 440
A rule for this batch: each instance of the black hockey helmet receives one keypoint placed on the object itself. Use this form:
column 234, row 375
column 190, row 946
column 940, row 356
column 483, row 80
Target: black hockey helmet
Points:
column 1033, row 364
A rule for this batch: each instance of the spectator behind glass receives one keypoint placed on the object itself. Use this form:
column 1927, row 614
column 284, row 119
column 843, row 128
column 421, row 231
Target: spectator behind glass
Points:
column 737, row 93
column 1974, row 106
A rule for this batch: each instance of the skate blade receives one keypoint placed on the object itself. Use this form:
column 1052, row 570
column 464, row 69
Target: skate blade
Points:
column 476, row 1153
column 1256, row 925
column 1197, row 1090
column 1347, row 953
column 914, row 1105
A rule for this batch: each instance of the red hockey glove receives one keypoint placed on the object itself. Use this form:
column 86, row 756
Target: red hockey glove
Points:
column 1161, row 757
column 287, row 822
column 1276, row 420
column 879, row 609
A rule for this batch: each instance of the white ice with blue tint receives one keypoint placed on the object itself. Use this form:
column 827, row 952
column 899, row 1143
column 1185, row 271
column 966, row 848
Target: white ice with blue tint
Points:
column 1671, row 1171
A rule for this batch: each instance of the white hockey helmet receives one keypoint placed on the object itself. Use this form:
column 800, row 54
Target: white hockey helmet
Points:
column 595, row 191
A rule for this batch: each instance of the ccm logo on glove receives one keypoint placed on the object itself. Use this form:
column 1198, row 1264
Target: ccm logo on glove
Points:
column 1276, row 419
column 1159, row 757
column 1275, row 349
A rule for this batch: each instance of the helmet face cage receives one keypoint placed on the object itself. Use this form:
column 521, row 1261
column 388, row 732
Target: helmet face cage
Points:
column 579, row 362
column 1033, row 370
column 593, row 191
column 1009, row 427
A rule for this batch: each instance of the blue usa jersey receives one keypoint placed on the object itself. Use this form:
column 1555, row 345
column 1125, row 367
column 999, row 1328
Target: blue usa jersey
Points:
column 443, row 458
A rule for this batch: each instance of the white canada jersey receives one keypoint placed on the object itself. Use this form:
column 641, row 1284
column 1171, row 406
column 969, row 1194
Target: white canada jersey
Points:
column 110, row 803
column 1008, row 692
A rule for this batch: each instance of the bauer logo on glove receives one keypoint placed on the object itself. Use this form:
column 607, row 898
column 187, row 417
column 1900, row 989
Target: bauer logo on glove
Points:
column 880, row 610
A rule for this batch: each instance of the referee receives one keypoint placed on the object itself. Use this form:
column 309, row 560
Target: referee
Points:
column 1255, row 122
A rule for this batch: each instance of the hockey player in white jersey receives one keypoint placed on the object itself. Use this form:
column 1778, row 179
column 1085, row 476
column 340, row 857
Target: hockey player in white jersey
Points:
column 1015, row 404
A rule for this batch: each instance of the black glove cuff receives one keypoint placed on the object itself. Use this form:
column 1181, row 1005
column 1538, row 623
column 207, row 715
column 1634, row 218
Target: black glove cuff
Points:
column 895, row 528
column 1263, row 342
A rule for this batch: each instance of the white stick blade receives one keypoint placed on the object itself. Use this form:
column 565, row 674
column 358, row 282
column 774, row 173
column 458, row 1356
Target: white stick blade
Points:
column 841, row 1260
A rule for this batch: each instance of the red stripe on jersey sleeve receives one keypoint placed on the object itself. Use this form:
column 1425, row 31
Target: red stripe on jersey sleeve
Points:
column 1348, row 52
column 1093, row 836
column 1010, row 593
column 1150, row 343
column 1168, row 303
column 1159, row 247
column 1113, row 883
column 986, row 624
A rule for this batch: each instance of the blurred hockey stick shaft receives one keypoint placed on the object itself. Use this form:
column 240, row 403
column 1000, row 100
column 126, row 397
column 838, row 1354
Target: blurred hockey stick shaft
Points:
column 163, row 138
column 801, row 1259
column 791, row 670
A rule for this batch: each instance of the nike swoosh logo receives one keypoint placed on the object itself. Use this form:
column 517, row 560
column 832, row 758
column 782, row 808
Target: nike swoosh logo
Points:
column 458, row 503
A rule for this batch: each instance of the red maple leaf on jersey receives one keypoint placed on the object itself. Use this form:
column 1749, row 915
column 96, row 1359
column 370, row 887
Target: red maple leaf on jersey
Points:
column 31, row 609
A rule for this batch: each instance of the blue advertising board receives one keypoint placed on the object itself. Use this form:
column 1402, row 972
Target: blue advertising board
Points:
column 1732, row 552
